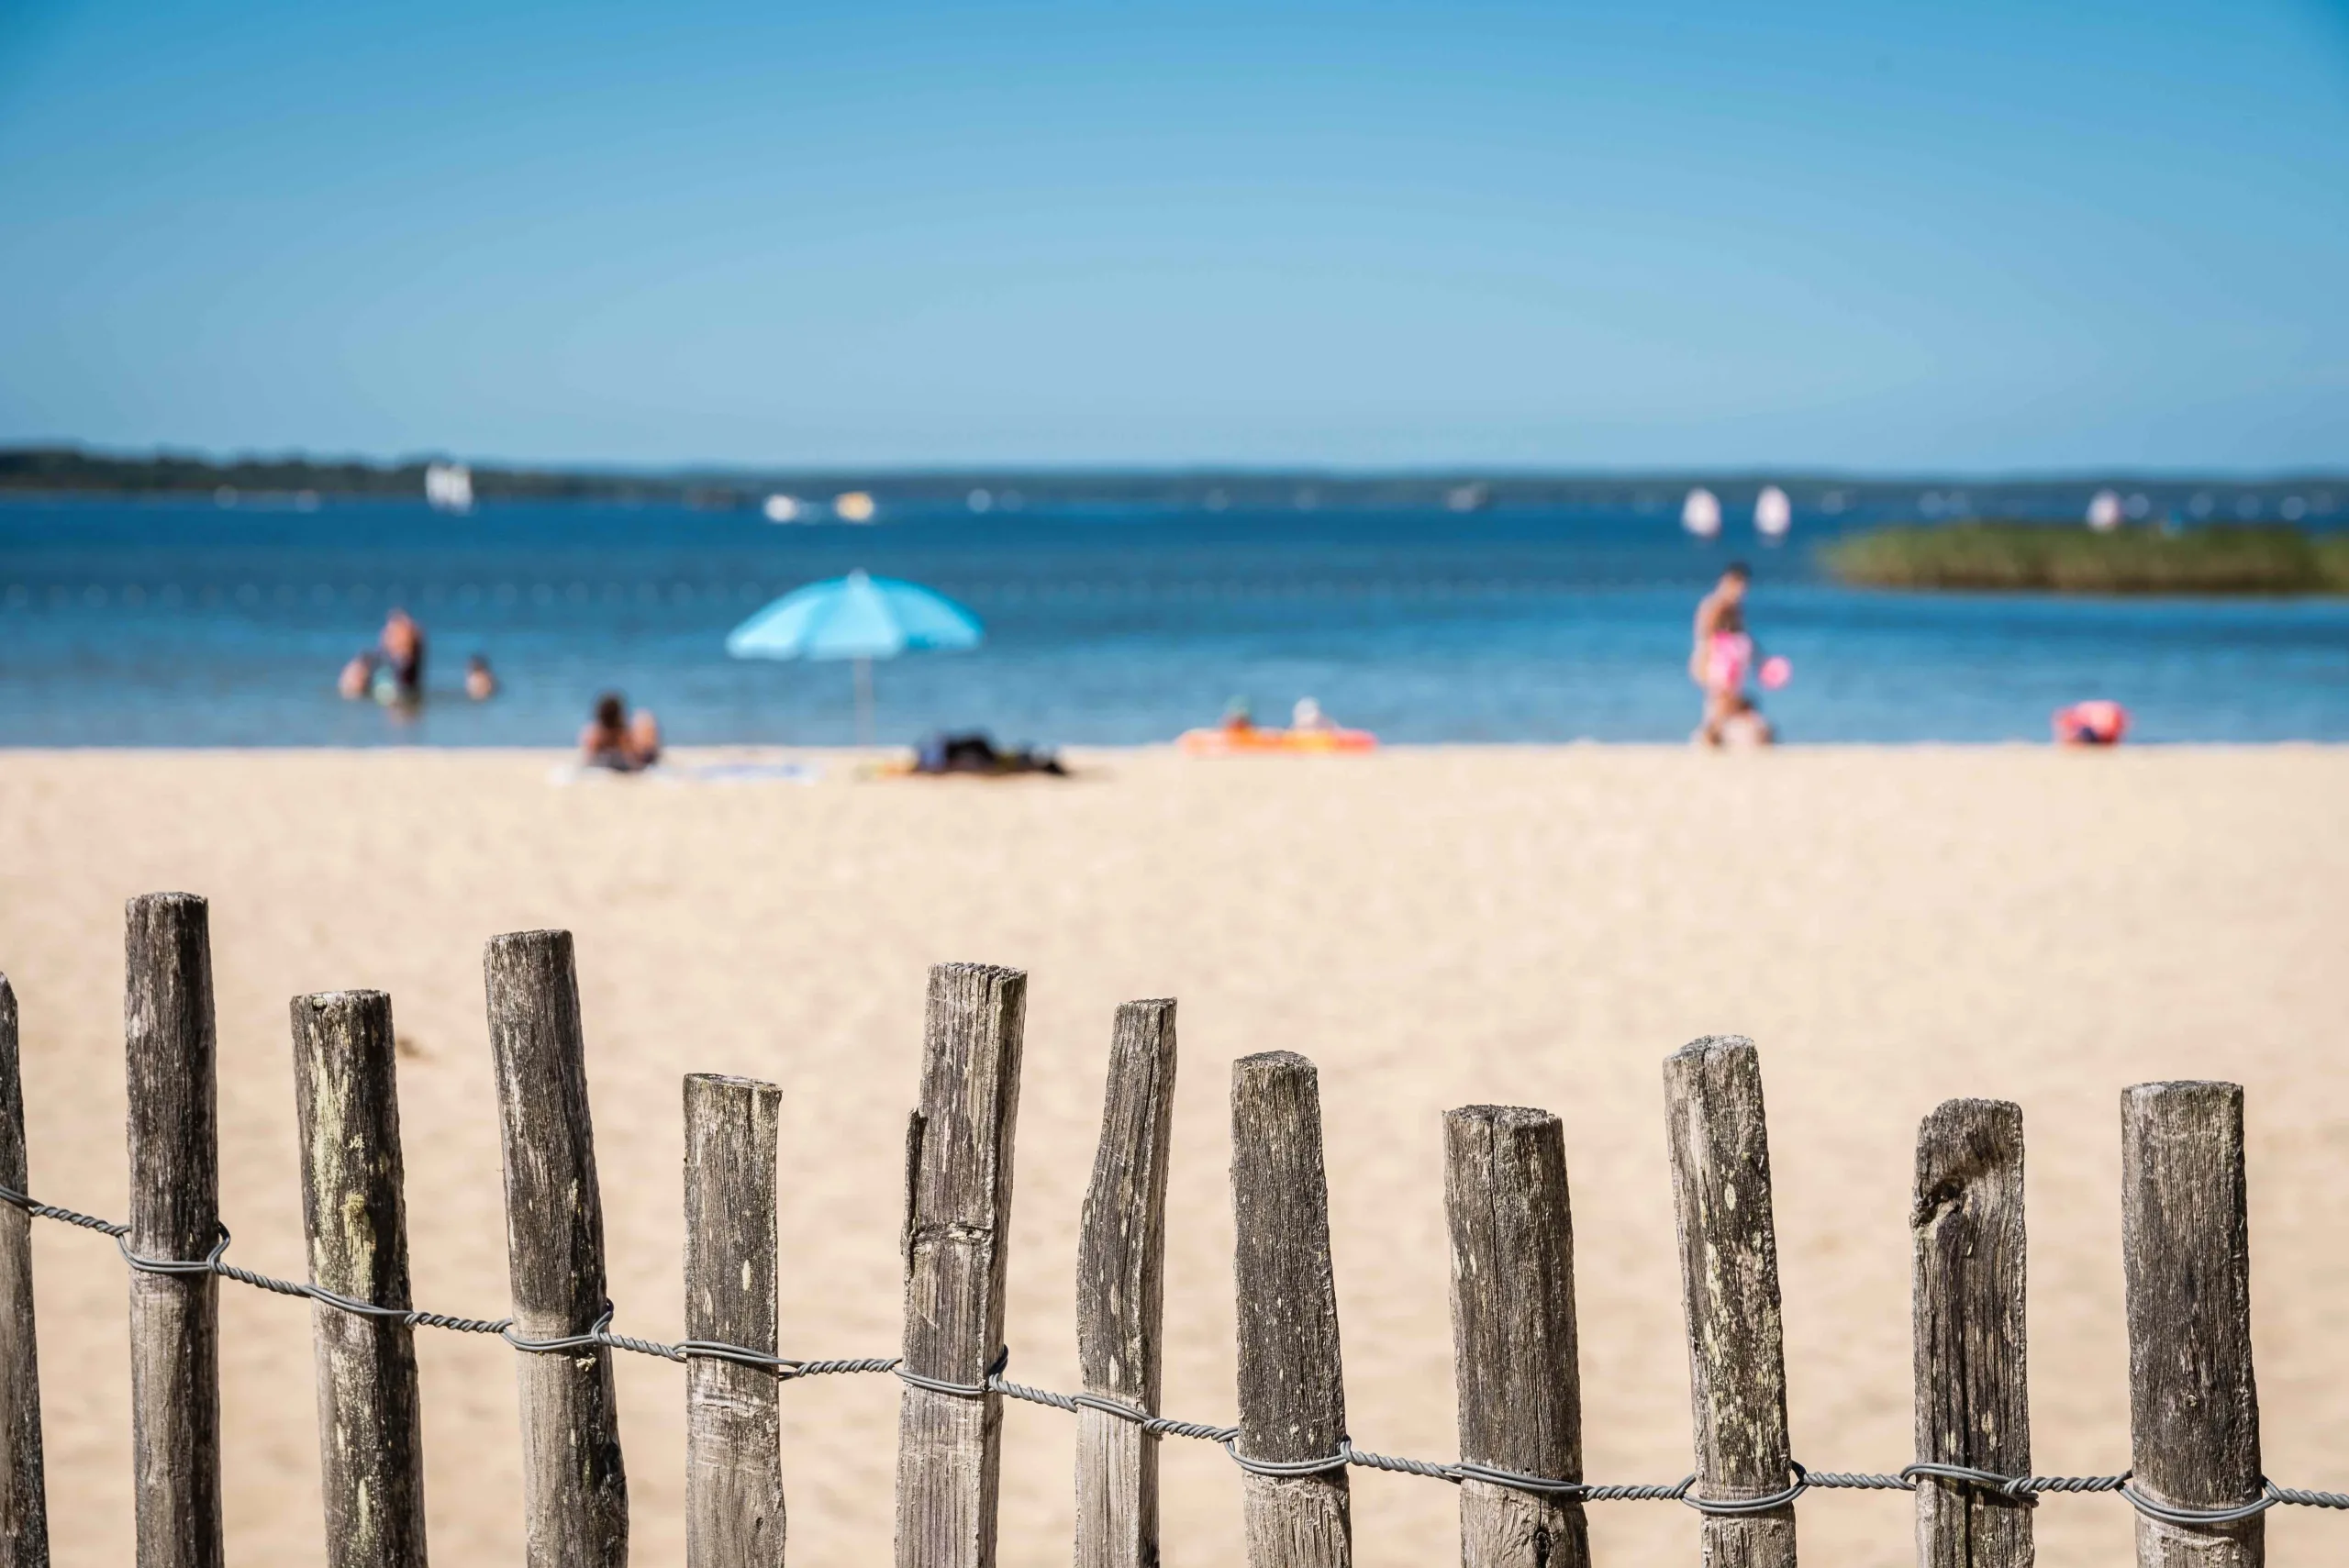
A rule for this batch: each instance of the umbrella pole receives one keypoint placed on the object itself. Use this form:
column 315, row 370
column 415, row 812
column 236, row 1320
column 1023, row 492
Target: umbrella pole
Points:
column 864, row 702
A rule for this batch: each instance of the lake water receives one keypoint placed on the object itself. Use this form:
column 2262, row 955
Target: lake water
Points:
column 186, row 624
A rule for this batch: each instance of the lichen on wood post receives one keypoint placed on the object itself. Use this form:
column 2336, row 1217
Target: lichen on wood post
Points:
column 1120, row 1274
column 1292, row 1379
column 575, row 1484
column 2185, row 1246
column 734, row 1511
column 170, row 1050
column 370, row 1444
column 1514, row 1355
column 24, row 1510
column 1973, row 1403
column 1728, row 1286
column 958, row 1228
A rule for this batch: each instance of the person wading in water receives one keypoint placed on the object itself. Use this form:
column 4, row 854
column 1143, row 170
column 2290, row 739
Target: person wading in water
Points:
column 1723, row 651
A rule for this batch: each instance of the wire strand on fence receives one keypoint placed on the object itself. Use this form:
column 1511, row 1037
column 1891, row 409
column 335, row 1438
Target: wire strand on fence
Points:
column 2027, row 1490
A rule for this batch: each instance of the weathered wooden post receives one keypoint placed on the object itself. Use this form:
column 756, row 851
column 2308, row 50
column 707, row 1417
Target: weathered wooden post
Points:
column 1121, row 1281
column 1513, row 1346
column 24, row 1509
column 574, row 1485
column 2186, row 1243
column 174, row 1216
column 958, row 1231
column 1973, row 1405
column 1292, row 1382
column 354, row 1212
column 1729, row 1287
column 734, row 1515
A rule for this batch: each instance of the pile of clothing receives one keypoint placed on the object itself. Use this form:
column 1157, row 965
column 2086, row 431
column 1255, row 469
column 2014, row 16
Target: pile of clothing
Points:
column 975, row 751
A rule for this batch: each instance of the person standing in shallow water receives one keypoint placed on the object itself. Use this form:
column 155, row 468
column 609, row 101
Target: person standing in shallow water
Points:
column 1723, row 651
column 403, row 645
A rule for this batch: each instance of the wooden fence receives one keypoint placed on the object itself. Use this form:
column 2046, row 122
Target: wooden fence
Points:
column 2196, row 1485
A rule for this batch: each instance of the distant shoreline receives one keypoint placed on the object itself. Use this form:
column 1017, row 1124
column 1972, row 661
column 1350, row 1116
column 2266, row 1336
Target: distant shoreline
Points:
column 60, row 472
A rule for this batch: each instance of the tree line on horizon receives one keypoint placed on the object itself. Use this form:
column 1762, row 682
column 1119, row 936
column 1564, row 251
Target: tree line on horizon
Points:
column 67, row 469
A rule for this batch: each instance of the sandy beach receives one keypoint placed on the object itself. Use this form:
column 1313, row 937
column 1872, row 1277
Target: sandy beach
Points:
column 1538, row 926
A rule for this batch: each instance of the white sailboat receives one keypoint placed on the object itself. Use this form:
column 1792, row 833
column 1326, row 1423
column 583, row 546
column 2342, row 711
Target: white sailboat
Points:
column 449, row 487
column 1702, row 513
column 1774, row 514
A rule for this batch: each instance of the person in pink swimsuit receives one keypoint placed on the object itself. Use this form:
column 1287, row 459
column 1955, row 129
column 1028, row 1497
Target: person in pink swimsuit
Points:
column 1721, row 654
column 2098, row 722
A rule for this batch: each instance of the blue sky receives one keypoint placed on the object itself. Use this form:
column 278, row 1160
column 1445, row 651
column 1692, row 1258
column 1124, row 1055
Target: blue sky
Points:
column 1869, row 235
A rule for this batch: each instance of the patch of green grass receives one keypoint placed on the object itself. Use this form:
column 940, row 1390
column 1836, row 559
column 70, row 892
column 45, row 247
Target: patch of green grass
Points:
column 1989, row 554
column 2332, row 558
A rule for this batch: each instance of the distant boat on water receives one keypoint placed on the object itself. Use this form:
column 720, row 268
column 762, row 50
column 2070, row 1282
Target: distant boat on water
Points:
column 781, row 508
column 1774, row 514
column 449, row 487
column 1702, row 513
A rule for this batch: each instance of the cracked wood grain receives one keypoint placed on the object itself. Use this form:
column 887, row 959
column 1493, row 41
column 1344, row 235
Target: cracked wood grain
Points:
column 2185, row 1245
column 24, row 1510
column 734, row 1509
column 1514, row 1339
column 1973, row 1405
column 958, row 1228
column 1729, row 1286
column 575, row 1484
column 170, row 1050
column 1292, row 1384
column 370, row 1444
column 1120, row 1277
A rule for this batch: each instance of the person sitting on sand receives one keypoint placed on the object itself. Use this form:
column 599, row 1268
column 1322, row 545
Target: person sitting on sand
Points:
column 480, row 682
column 1236, row 717
column 2093, row 723
column 1307, row 718
column 357, row 678
column 615, row 740
column 644, row 737
column 1723, row 651
column 403, row 645
column 1743, row 729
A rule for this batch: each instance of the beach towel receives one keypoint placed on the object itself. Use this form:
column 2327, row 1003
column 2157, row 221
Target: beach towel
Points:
column 743, row 771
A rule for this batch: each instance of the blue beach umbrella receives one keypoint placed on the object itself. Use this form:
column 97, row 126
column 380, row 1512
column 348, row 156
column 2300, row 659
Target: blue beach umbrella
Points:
column 857, row 618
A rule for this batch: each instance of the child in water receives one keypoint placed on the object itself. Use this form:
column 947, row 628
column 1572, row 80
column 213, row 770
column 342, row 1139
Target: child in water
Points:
column 358, row 677
column 1745, row 729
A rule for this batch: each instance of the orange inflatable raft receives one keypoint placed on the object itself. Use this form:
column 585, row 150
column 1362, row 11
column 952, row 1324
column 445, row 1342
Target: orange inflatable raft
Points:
column 1248, row 741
